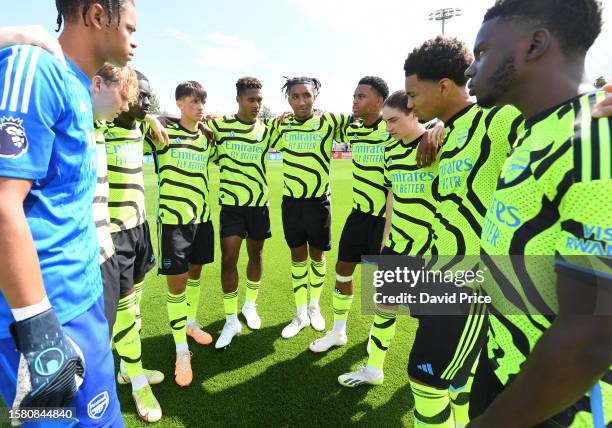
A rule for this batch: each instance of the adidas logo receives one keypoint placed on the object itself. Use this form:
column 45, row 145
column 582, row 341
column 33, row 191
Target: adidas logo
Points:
column 426, row 368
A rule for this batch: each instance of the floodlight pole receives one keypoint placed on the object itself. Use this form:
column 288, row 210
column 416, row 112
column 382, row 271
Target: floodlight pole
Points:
column 444, row 15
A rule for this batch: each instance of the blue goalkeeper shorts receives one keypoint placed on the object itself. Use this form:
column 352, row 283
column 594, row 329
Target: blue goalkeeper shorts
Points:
column 96, row 403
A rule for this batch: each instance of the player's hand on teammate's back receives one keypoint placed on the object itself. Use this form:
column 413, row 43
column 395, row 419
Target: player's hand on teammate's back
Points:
column 604, row 108
column 210, row 136
column 165, row 120
column 428, row 147
column 51, row 366
column 283, row 116
column 210, row 116
column 160, row 135
column 438, row 132
column 32, row 35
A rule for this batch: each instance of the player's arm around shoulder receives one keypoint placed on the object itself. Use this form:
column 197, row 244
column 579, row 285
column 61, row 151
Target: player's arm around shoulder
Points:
column 430, row 143
column 32, row 35
column 205, row 129
column 156, row 131
column 212, row 123
column 274, row 126
column 604, row 107
column 341, row 121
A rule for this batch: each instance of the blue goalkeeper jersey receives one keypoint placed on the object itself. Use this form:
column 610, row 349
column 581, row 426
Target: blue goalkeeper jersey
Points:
column 47, row 137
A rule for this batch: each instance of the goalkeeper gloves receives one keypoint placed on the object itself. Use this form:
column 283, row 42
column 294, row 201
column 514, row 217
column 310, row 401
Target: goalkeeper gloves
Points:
column 51, row 366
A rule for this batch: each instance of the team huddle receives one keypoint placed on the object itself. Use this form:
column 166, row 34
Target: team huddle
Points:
column 526, row 170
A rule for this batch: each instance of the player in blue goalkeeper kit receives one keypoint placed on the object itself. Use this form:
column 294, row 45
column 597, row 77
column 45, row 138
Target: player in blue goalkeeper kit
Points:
column 54, row 348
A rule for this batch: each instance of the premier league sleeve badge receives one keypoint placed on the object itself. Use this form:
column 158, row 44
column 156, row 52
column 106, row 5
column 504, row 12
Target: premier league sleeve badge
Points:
column 13, row 139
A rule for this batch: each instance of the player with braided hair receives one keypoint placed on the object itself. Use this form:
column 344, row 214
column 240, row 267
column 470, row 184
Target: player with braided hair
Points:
column 305, row 138
column 73, row 9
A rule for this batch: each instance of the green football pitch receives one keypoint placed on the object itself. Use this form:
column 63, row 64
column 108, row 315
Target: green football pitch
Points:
column 263, row 379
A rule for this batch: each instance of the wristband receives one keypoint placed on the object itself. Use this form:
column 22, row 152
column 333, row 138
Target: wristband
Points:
column 21, row 314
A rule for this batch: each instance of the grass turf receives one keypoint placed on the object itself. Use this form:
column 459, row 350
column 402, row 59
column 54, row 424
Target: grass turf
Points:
column 262, row 379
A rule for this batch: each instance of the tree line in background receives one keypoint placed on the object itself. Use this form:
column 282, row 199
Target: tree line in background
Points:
column 599, row 82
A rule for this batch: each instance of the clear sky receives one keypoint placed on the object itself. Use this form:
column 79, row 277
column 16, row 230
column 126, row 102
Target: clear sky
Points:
column 338, row 41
